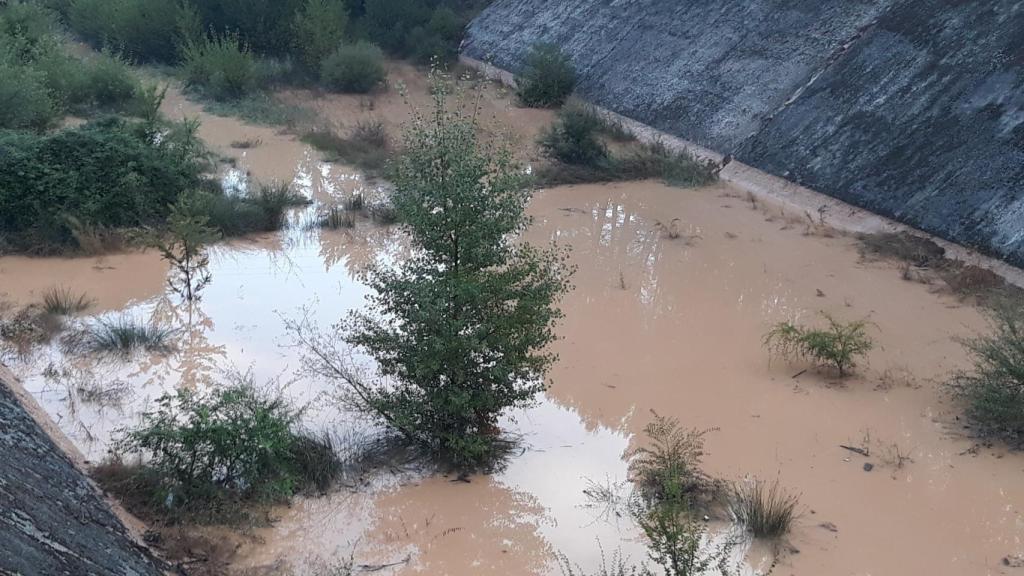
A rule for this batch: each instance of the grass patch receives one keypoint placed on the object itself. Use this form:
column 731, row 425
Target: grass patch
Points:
column 365, row 146
column 262, row 109
column 120, row 336
column 839, row 345
column 765, row 509
column 262, row 210
column 994, row 388
column 61, row 301
column 577, row 152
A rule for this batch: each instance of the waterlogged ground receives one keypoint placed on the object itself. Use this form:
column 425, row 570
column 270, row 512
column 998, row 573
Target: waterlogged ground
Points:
column 654, row 323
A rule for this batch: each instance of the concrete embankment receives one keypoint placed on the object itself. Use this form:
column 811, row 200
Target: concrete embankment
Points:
column 53, row 520
column 912, row 109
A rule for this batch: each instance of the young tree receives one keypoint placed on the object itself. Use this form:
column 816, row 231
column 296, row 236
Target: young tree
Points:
column 459, row 329
column 184, row 246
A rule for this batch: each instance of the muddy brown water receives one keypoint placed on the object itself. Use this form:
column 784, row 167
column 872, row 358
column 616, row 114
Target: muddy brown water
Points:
column 654, row 323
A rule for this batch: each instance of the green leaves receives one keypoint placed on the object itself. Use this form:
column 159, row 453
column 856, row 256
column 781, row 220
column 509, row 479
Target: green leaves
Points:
column 460, row 328
column 839, row 345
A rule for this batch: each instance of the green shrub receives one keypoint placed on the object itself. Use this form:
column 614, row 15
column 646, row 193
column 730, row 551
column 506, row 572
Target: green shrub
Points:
column 263, row 210
column 25, row 103
column 267, row 26
column 547, row 78
column 108, row 82
column 221, row 67
column 319, row 31
column 839, row 345
column 102, row 174
column 573, row 139
column 235, row 441
column 439, row 39
column 358, row 68
column 765, row 510
column 669, row 467
column 994, row 388
column 183, row 245
column 144, row 30
column 26, row 33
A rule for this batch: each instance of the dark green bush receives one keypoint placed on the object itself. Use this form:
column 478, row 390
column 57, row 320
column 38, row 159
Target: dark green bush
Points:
column 222, row 67
column 573, row 139
column 389, row 23
column 358, row 68
column 547, row 78
column 439, row 39
column 236, row 441
column 145, row 30
column 319, row 31
column 262, row 210
column 101, row 174
column 25, row 103
column 994, row 388
column 267, row 26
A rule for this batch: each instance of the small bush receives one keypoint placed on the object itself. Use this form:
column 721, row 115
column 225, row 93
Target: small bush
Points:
column 765, row 510
column 358, row 69
column 272, row 202
column 120, row 336
column 236, row 441
column 108, row 82
column 336, row 217
column 25, row 102
column 390, row 23
column 994, row 388
column 319, row 31
column 917, row 250
column 60, row 301
column 669, row 468
column 573, row 140
column 222, row 67
column 547, row 79
column 839, row 345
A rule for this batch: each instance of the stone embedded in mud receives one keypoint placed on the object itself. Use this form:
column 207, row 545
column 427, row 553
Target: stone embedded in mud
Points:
column 868, row 466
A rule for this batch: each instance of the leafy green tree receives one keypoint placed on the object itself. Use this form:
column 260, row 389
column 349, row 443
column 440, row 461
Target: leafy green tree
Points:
column 459, row 330
column 184, row 246
column 548, row 77
column 319, row 30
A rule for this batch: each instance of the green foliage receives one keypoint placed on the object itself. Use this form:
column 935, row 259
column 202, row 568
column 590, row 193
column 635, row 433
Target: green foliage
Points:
column 222, row 67
column 358, row 68
column 60, row 301
column 235, row 441
column 145, row 30
column 267, row 26
column 994, row 388
column 319, row 31
column 389, row 23
column 669, row 467
column 578, row 154
column 108, row 174
column 183, row 245
column 839, row 345
column 573, row 139
column 366, row 146
column 547, row 78
column 25, row 103
column 459, row 330
column 765, row 510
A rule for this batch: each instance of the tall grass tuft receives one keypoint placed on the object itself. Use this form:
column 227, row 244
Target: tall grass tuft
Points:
column 272, row 201
column 765, row 509
column 60, row 301
column 120, row 336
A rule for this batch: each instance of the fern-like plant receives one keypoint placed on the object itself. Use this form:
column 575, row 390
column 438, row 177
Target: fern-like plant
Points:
column 839, row 345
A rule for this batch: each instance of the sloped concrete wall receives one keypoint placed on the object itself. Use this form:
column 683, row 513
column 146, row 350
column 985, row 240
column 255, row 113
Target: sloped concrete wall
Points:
column 52, row 520
column 913, row 109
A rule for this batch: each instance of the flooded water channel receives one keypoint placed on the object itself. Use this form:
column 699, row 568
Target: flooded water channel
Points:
column 672, row 325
